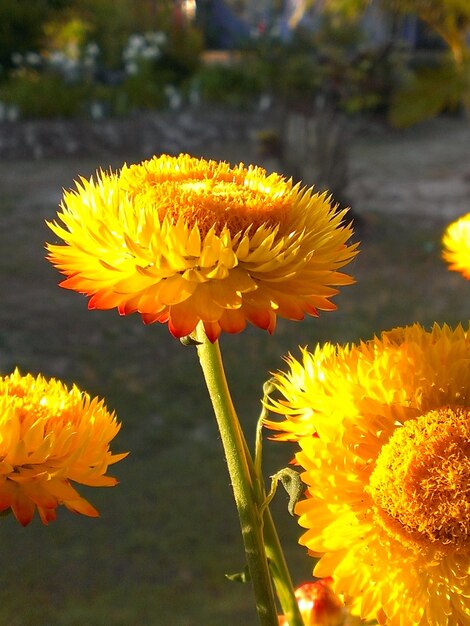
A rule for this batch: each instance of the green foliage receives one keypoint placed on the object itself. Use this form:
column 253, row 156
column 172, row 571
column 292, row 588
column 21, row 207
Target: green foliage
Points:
column 449, row 18
column 21, row 27
column 44, row 95
column 428, row 93
column 444, row 12
column 112, row 22
column 334, row 61
column 357, row 75
column 185, row 45
column 344, row 9
column 145, row 89
column 236, row 85
column 300, row 78
column 64, row 34
column 78, row 46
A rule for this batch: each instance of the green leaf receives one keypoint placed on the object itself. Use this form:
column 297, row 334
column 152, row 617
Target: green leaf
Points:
column 429, row 93
column 240, row 577
column 291, row 482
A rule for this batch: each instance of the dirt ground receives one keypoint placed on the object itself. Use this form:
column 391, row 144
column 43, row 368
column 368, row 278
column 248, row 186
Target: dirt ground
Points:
column 423, row 171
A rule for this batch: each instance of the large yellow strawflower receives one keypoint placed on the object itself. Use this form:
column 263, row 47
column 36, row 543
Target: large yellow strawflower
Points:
column 384, row 432
column 183, row 240
column 456, row 242
column 51, row 436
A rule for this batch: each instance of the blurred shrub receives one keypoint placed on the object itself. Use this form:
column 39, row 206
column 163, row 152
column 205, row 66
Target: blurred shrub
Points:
column 44, row 95
column 237, row 85
column 430, row 91
column 183, row 53
column 155, row 62
column 70, row 78
column 440, row 86
column 300, row 78
column 334, row 62
column 66, row 34
column 113, row 21
column 143, row 90
column 450, row 19
column 21, row 27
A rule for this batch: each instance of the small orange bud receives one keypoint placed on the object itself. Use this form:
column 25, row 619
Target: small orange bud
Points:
column 319, row 605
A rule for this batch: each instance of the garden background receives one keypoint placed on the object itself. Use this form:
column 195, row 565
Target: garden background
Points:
column 86, row 85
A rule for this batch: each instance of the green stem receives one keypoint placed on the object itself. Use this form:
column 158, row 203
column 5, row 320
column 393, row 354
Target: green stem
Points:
column 278, row 565
column 280, row 572
column 240, row 476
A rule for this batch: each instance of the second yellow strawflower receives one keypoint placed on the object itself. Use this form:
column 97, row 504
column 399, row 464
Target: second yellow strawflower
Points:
column 384, row 435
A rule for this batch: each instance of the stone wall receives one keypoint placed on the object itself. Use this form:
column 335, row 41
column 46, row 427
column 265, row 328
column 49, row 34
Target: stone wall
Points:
column 144, row 134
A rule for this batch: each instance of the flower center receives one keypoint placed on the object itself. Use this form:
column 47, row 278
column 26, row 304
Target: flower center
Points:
column 213, row 195
column 217, row 204
column 421, row 481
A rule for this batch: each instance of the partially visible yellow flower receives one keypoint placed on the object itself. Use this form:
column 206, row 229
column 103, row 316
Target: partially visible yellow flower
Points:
column 456, row 242
column 183, row 240
column 51, row 436
column 320, row 606
column 384, row 432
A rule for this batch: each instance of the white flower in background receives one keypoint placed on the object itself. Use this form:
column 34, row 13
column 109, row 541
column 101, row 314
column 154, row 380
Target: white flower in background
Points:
column 16, row 58
column 90, row 55
column 92, row 49
column 158, row 38
column 151, row 52
column 131, row 68
column 33, row 58
column 56, row 58
column 173, row 96
column 142, row 47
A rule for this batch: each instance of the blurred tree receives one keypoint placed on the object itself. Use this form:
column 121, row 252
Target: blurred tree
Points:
column 448, row 18
column 446, row 86
column 112, row 21
column 344, row 9
column 67, row 34
column 21, row 27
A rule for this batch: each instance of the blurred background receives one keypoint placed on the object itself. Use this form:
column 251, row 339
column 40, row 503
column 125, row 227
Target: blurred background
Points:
column 368, row 99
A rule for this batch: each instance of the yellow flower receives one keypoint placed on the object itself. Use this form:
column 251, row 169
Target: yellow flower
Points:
column 182, row 240
column 387, row 474
column 320, row 606
column 456, row 242
column 50, row 436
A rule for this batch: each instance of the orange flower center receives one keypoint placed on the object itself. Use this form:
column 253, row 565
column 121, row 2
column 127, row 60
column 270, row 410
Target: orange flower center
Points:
column 215, row 204
column 421, row 481
column 209, row 194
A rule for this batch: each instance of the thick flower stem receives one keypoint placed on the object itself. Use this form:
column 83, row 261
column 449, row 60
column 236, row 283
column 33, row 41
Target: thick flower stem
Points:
column 240, row 476
column 211, row 362
column 280, row 572
column 278, row 565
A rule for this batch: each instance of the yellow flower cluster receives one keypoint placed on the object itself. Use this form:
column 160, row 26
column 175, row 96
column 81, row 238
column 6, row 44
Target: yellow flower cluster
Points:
column 384, row 432
column 51, row 436
column 182, row 240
